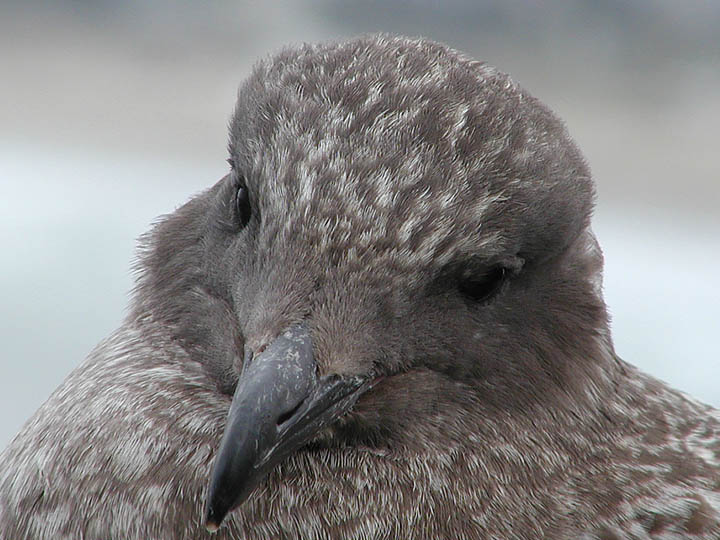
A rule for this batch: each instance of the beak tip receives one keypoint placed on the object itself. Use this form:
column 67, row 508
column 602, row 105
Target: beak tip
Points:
column 213, row 517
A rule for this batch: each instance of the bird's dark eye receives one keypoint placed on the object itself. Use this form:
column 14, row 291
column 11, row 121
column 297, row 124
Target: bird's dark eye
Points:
column 242, row 205
column 482, row 288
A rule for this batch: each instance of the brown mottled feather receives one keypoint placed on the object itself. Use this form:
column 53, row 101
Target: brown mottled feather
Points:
column 382, row 173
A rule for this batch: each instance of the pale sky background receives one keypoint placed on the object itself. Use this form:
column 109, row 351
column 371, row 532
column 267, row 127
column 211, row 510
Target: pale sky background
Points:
column 113, row 113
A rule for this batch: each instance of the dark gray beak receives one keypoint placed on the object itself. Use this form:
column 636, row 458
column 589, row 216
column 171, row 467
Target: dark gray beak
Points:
column 278, row 406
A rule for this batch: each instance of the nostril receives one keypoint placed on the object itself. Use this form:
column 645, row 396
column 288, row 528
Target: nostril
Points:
column 261, row 348
column 247, row 355
column 284, row 417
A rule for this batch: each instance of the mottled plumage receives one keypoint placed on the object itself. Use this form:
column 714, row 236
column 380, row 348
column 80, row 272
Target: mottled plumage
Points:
column 426, row 223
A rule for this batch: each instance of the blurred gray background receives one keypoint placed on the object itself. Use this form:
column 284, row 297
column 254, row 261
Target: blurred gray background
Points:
column 113, row 113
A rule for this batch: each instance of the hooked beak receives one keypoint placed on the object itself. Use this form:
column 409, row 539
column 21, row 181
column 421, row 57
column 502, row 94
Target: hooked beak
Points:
column 280, row 403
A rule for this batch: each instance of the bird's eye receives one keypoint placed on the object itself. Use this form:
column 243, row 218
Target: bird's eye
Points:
column 483, row 288
column 242, row 205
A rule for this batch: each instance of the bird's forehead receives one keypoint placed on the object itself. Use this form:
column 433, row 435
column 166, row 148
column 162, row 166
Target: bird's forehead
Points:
column 399, row 146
